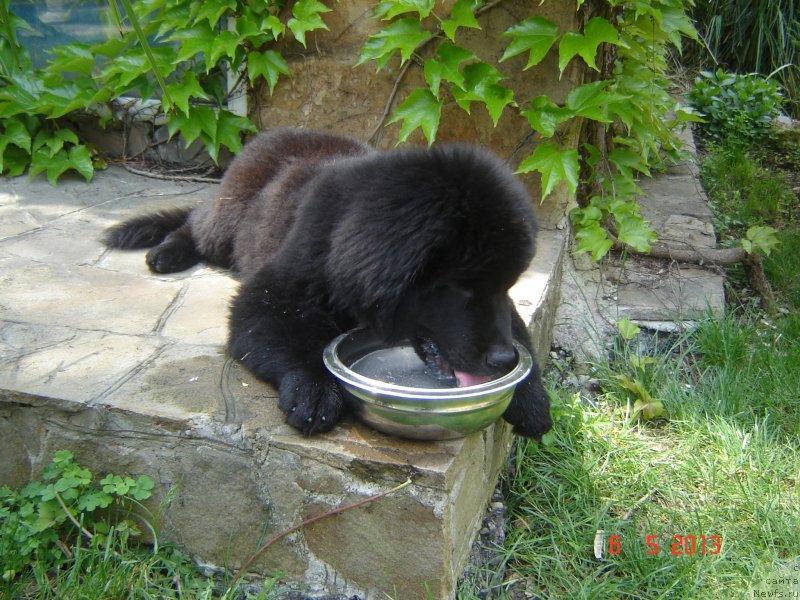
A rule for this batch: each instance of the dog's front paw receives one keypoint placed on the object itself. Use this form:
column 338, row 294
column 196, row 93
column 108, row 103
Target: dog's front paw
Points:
column 311, row 405
column 529, row 411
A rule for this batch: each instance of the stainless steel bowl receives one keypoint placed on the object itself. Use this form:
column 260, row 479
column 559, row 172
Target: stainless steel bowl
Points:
column 426, row 413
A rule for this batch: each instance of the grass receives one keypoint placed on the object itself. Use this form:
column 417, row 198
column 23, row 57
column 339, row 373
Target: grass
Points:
column 723, row 460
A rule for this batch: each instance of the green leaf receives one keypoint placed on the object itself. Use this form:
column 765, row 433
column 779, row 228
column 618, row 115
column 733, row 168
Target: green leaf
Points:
column 760, row 237
column 15, row 133
column 447, row 66
column 648, row 410
column 225, row 44
column 590, row 100
column 481, row 83
column 268, row 64
column 212, row 10
column 535, row 35
column 229, row 130
column 556, row 164
column 188, row 88
column 404, row 35
column 391, row 8
column 197, row 40
column 461, row 15
column 544, row 115
column 199, row 119
column 72, row 58
column 634, row 231
column 594, row 240
column 627, row 329
column 597, row 31
column 306, row 17
column 80, row 159
column 420, row 110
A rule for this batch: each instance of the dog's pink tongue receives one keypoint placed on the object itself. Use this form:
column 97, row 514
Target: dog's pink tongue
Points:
column 467, row 379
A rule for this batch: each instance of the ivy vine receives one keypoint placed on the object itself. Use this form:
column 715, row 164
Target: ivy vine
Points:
column 179, row 52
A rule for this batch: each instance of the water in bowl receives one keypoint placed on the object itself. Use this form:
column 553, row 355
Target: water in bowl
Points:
column 398, row 365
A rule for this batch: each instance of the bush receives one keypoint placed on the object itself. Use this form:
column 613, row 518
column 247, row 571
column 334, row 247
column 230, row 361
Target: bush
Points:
column 735, row 107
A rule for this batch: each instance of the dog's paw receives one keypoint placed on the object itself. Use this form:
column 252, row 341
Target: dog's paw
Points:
column 171, row 257
column 529, row 411
column 311, row 405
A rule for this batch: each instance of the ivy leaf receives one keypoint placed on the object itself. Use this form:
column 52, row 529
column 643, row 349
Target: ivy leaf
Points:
column 628, row 161
column 481, row 83
column 274, row 25
column 544, row 115
column 555, row 164
column 590, row 100
column 391, row 8
column 194, row 41
column 594, row 240
column 535, row 35
column 404, row 35
column 199, row 119
column 15, row 133
column 306, row 16
column 269, row 65
column 634, row 231
column 225, row 44
column 62, row 161
column 80, row 159
column 597, row 31
column 447, row 66
column 760, row 237
column 420, row 110
column 72, row 58
column 212, row 10
column 460, row 16
column 229, row 132
column 189, row 87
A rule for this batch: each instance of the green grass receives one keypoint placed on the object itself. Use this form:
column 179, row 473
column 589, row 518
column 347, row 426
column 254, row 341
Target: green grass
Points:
column 725, row 461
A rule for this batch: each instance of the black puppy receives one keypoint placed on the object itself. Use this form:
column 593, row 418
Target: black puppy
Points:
column 328, row 234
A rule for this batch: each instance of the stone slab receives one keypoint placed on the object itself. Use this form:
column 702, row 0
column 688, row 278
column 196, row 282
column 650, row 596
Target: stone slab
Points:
column 127, row 369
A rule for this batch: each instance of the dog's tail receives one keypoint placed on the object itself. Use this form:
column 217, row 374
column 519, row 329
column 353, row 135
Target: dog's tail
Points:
column 145, row 231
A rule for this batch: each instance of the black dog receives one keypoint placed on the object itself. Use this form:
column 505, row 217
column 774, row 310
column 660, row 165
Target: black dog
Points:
column 328, row 234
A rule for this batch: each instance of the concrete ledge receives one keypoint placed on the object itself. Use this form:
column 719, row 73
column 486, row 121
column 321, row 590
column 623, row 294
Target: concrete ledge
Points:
column 126, row 369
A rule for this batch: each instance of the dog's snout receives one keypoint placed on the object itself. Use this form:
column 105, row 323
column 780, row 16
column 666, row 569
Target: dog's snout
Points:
column 501, row 356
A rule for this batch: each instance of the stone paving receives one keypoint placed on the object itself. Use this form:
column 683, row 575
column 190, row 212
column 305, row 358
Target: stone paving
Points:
column 658, row 294
column 127, row 369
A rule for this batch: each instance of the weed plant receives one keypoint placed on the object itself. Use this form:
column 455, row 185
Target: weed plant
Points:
column 70, row 536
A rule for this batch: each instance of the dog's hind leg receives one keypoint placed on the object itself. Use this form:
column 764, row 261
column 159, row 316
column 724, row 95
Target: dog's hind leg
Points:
column 176, row 253
column 167, row 232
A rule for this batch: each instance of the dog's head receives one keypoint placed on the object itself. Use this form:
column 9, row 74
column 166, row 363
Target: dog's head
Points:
column 427, row 249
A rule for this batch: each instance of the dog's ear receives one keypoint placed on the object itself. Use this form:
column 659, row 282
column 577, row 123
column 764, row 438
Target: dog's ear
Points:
column 370, row 268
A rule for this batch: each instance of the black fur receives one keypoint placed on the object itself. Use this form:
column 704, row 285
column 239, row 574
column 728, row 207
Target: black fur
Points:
column 328, row 234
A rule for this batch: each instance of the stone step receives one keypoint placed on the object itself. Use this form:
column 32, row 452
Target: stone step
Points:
column 127, row 370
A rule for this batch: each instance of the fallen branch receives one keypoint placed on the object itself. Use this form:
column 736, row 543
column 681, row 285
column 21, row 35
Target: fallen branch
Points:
column 721, row 257
column 330, row 513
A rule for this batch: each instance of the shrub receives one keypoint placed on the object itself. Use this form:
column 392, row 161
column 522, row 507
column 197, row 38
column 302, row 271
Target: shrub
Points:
column 735, row 107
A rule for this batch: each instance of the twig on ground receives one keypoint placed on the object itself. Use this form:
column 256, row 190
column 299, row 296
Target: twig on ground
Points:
column 310, row 520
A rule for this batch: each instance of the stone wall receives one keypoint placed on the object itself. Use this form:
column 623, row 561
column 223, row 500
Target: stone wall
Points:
column 326, row 91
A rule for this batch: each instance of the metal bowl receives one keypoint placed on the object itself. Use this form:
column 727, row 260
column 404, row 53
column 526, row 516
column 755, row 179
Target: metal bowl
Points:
column 429, row 412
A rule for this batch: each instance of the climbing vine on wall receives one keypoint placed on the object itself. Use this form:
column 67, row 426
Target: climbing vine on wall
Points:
column 179, row 51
